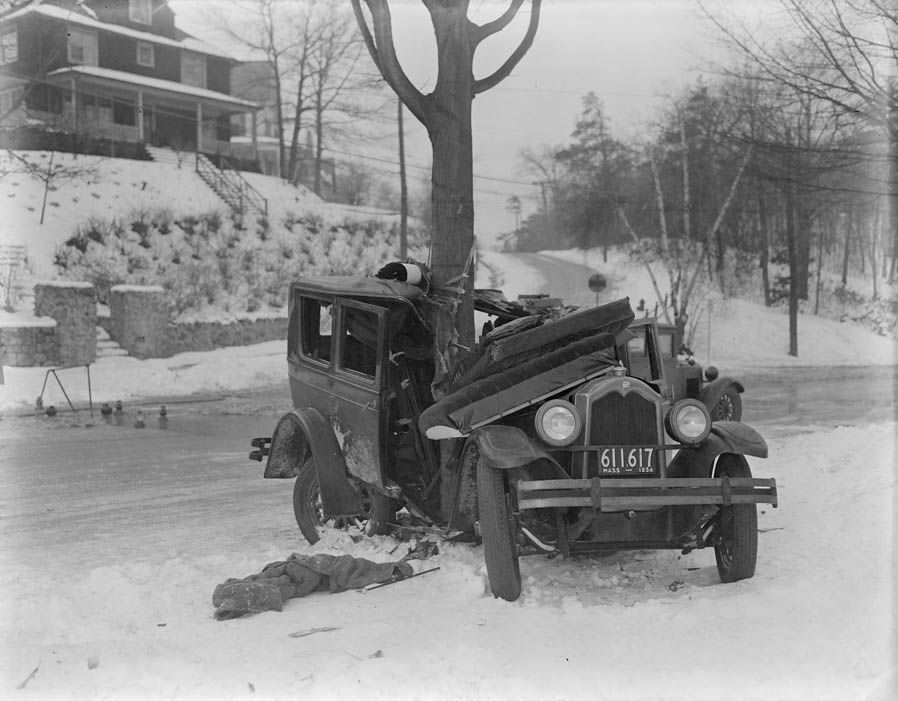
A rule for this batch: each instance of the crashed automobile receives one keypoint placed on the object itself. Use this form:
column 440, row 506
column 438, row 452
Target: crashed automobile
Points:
column 564, row 431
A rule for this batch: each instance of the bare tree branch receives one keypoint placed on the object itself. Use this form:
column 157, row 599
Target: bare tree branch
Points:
column 383, row 53
column 506, row 68
column 483, row 31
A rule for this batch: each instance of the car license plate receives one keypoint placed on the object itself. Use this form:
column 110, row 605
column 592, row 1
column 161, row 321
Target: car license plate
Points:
column 627, row 461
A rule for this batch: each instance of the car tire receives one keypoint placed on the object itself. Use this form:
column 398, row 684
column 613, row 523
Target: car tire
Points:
column 307, row 502
column 498, row 527
column 728, row 406
column 736, row 532
column 374, row 520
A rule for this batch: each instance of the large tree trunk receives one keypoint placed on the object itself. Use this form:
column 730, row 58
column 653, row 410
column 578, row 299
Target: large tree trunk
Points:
column 449, row 130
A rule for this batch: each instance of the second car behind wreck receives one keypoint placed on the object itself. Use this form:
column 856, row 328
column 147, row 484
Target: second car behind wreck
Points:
column 552, row 436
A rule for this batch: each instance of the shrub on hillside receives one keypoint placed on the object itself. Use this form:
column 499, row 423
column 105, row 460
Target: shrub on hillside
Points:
column 223, row 264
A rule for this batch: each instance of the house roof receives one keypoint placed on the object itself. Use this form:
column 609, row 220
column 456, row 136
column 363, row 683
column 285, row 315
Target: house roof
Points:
column 76, row 17
column 114, row 78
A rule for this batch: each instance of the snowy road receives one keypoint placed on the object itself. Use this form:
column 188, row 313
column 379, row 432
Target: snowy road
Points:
column 117, row 486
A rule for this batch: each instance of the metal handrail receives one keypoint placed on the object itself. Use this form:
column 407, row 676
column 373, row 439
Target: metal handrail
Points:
column 235, row 188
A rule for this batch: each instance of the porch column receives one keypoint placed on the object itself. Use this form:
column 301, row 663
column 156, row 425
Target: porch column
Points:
column 140, row 116
column 255, row 135
column 74, row 105
column 199, row 127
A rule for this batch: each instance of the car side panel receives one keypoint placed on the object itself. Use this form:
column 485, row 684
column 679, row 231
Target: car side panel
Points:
column 305, row 431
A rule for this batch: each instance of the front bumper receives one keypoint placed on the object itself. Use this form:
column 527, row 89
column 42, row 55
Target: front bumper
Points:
column 615, row 494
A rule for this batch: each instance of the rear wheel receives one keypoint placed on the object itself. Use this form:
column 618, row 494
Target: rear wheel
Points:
column 736, row 533
column 377, row 509
column 498, row 526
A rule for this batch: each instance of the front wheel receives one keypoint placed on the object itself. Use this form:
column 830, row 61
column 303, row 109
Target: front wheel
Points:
column 728, row 407
column 377, row 509
column 736, row 533
column 498, row 527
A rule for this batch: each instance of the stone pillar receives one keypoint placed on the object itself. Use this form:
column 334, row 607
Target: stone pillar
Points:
column 74, row 307
column 138, row 319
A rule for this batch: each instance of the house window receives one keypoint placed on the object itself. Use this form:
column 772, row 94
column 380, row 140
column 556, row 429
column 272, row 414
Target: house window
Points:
column 124, row 113
column 82, row 46
column 140, row 11
column 193, row 70
column 146, row 54
column 9, row 46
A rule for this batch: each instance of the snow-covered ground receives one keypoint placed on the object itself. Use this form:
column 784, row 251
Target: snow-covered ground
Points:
column 816, row 622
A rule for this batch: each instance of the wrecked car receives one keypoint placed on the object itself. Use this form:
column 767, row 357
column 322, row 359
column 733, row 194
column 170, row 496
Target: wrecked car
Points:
column 562, row 432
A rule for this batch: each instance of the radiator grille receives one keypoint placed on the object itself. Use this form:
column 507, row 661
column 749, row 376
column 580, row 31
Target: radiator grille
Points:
column 623, row 420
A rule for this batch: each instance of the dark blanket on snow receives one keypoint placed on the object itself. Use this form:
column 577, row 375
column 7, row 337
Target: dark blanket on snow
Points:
column 299, row 575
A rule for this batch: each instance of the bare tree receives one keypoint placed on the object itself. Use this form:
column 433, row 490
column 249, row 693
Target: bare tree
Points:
column 337, row 84
column 263, row 29
column 446, row 114
column 843, row 53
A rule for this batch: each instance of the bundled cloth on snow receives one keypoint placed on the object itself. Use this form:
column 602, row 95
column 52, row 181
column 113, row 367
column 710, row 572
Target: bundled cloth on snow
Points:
column 300, row 575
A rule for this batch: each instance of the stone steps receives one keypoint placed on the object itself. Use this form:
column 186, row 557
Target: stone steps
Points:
column 106, row 347
column 178, row 159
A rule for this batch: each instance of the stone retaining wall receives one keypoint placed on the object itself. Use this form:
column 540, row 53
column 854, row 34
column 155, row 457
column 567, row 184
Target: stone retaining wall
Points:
column 207, row 335
column 73, row 306
column 138, row 322
column 24, row 345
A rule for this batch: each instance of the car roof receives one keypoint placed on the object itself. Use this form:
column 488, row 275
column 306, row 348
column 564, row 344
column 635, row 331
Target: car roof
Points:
column 358, row 286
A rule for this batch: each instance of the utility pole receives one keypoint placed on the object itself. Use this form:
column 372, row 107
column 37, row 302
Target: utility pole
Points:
column 403, row 192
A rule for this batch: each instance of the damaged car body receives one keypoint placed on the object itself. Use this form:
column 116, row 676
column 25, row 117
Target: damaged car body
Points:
column 564, row 431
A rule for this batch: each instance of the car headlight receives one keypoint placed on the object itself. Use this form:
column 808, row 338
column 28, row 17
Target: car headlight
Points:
column 688, row 422
column 558, row 422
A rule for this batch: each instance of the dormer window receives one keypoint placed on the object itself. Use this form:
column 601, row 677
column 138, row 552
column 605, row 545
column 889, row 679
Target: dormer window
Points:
column 140, row 11
column 146, row 55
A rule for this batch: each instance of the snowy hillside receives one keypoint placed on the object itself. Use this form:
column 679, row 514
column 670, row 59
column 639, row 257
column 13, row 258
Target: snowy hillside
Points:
column 93, row 186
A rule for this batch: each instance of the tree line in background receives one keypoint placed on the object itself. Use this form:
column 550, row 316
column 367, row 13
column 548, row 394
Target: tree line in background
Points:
column 787, row 158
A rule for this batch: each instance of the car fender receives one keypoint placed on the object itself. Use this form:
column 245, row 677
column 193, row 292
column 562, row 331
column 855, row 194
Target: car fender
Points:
column 712, row 391
column 507, row 447
column 303, row 432
column 726, row 437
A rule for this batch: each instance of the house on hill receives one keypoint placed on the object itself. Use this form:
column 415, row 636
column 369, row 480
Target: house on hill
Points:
column 115, row 69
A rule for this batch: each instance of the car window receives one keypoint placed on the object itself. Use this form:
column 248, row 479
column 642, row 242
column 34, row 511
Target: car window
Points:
column 636, row 345
column 316, row 322
column 358, row 347
column 666, row 340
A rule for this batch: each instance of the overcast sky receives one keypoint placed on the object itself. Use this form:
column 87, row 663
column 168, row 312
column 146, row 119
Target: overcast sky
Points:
column 633, row 54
